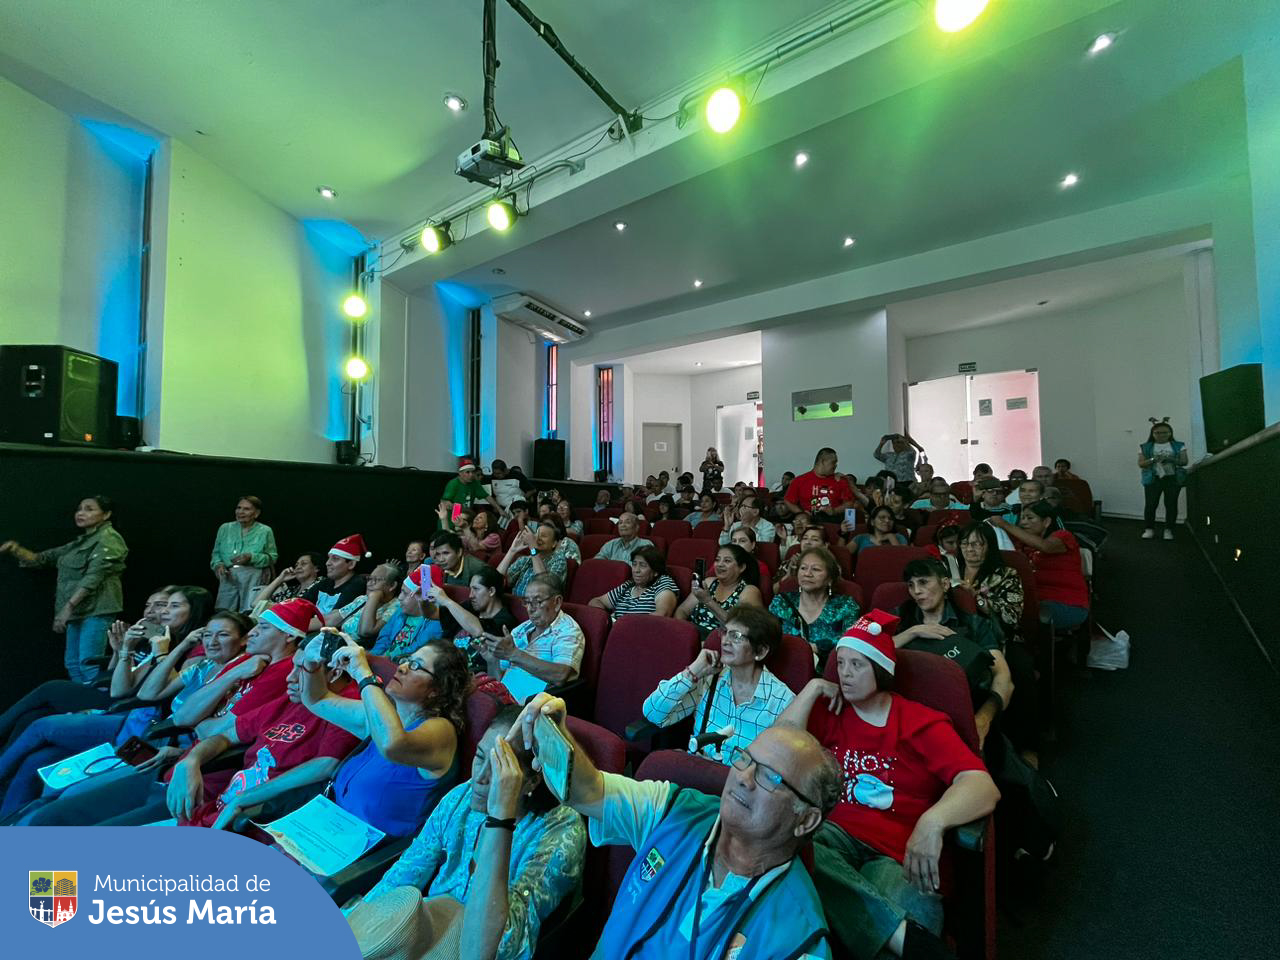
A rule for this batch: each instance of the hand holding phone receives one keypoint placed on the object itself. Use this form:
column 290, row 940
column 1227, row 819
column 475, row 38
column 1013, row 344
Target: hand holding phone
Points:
column 555, row 755
column 700, row 569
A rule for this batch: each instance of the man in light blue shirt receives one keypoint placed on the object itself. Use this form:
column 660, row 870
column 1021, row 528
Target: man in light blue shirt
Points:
column 626, row 542
column 749, row 516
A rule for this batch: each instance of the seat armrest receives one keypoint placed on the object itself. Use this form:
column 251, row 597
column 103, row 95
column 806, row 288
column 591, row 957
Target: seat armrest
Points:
column 361, row 877
column 167, row 729
column 640, row 730
column 971, row 835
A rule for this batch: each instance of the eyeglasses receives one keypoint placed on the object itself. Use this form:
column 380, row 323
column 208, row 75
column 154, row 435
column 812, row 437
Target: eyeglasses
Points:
column 413, row 663
column 767, row 778
column 735, row 636
column 532, row 603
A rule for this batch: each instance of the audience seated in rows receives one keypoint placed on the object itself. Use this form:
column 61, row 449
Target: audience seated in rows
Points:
column 416, row 620
column 735, row 582
column 1055, row 557
column 881, row 531
column 908, row 778
column 708, row 509
column 340, row 585
column 447, row 554
column 475, row 529
column 745, row 538
column 730, row 694
column 534, row 554
column 821, row 492
column 939, row 496
column 293, row 581
column 544, row 650
column 748, row 516
column 482, row 614
column 626, row 542
column 813, row 611
column 650, row 590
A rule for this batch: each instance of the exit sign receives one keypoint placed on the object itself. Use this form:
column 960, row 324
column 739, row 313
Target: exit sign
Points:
column 970, row 367
column 753, row 395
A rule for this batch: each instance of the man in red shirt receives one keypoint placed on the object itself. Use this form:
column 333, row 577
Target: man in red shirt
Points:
column 908, row 779
column 820, row 492
column 288, row 747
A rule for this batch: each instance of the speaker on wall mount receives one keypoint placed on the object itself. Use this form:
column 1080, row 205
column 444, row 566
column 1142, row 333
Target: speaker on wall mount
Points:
column 1231, row 400
column 54, row 394
column 548, row 459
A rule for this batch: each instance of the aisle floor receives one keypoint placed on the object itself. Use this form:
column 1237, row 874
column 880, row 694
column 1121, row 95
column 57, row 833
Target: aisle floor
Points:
column 1170, row 772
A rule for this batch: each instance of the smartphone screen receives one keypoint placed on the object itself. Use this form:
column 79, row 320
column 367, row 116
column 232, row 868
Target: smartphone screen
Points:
column 555, row 754
column 700, row 569
column 851, row 516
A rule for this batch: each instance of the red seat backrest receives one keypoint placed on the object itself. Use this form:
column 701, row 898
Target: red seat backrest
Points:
column 584, row 513
column 962, row 490
column 768, row 552
column 832, row 530
column 660, row 543
column 598, row 524
column 791, row 661
column 595, row 629
column 457, row 593
column 683, row 577
column 684, row 552
column 924, row 536
column 481, row 706
column 847, row 587
column 877, row 565
column 508, row 534
column 642, row 526
column 934, row 681
column 684, row 769
column 1077, row 495
column 941, row 516
column 891, row 596
column 606, row 750
column 641, row 651
column 518, row 609
column 597, row 577
column 708, row 530
column 592, row 542
column 672, row 529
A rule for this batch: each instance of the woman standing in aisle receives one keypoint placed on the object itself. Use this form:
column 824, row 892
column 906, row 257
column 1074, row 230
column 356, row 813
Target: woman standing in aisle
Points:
column 243, row 553
column 1163, row 461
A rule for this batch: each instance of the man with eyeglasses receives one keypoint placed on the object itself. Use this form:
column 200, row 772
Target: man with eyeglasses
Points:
column 544, row 650
column 713, row 877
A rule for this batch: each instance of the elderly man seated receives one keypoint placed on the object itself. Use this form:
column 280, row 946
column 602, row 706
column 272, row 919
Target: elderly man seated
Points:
column 713, row 877
column 626, row 542
column 546, row 649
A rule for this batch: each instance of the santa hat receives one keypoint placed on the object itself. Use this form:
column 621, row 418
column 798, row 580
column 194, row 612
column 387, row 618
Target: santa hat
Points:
column 350, row 548
column 292, row 616
column 437, row 575
column 466, row 463
column 872, row 636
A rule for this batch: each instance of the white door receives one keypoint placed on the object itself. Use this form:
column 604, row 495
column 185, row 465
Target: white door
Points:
column 736, row 441
column 936, row 419
column 661, row 449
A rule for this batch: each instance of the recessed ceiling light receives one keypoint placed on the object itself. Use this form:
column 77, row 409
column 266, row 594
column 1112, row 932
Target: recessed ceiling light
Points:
column 1042, row 303
column 619, row 225
column 1070, row 180
column 499, row 271
column 1101, row 42
column 586, row 313
column 455, row 102
column 697, row 283
column 849, row 242
column 697, row 363
column 327, row 192
column 801, row 159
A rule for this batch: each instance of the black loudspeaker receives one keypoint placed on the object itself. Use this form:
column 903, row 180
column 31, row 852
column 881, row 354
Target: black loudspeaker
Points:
column 53, row 394
column 346, row 452
column 128, row 433
column 1232, row 403
column 548, row 459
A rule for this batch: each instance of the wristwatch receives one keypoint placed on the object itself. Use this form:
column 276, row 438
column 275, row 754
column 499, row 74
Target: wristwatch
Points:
column 372, row 678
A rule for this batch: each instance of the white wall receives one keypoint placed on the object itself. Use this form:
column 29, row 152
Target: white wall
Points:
column 519, row 393
column 70, row 234
column 1103, row 371
column 708, row 391
column 658, row 398
column 825, row 353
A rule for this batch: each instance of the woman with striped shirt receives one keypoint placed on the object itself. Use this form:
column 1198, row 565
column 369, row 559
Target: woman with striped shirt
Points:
column 648, row 591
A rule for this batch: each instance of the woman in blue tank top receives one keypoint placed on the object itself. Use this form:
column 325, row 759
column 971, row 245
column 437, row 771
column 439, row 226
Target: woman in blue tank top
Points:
column 414, row 728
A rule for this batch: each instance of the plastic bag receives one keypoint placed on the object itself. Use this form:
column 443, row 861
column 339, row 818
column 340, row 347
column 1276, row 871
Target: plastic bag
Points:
column 1109, row 652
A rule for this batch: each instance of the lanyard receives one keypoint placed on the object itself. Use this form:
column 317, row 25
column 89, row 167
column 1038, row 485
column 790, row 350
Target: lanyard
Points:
column 745, row 894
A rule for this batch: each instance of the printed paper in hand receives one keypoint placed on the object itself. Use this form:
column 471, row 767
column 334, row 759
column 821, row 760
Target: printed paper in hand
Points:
column 72, row 770
column 322, row 836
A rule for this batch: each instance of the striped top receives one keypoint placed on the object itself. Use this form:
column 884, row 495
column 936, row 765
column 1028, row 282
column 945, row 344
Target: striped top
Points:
column 682, row 696
column 624, row 601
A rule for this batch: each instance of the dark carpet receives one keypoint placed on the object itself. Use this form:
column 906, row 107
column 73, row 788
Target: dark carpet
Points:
column 1170, row 774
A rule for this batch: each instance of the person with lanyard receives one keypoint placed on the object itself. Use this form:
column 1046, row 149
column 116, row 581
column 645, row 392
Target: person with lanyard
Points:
column 464, row 490
column 341, row 584
column 493, row 861
column 414, row 623
column 731, row 692
column 713, row 877
column 243, row 551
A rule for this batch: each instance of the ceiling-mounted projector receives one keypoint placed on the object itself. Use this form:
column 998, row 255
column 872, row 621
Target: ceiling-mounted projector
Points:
column 487, row 160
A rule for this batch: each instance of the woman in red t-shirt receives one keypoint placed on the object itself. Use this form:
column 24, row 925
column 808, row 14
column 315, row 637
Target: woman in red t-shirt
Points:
column 1055, row 556
column 908, row 778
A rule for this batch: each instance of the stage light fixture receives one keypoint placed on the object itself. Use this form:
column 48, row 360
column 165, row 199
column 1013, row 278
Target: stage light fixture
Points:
column 454, row 102
column 436, row 237
column 1070, row 180
column 697, row 284
column 724, row 106
column 586, row 313
column 801, row 159
column 356, row 369
column 355, row 306
column 953, row 16
column 1101, row 42
column 327, row 192
column 501, row 214
column 849, row 242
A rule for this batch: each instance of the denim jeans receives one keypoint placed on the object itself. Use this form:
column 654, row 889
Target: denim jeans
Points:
column 1062, row 615
column 46, row 741
column 86, row 639
column 865, row 894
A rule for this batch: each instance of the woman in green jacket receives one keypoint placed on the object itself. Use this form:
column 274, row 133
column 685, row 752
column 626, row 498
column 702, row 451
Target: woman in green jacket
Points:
column 88, row 597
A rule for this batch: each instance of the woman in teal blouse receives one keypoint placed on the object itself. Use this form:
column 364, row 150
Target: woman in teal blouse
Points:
column 815, row 611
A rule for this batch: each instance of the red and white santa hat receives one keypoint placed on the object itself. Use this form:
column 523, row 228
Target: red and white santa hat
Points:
column 292, row 616
column 872, row 636
column 466, row 463
column 350, row 548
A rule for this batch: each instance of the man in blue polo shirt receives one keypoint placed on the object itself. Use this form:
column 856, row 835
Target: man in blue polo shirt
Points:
column 713, row 877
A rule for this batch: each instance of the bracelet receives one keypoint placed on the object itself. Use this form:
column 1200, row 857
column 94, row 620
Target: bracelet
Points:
column 499, row 824
column 367, row 681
